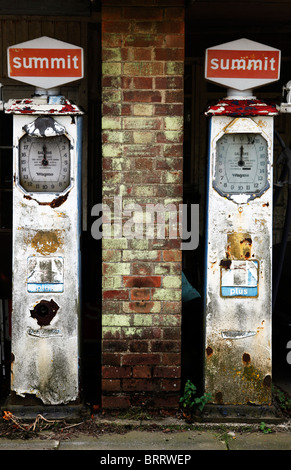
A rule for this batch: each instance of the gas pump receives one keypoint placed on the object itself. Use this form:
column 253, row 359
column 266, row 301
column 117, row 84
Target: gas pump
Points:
column 47, row 143
column 238, row 284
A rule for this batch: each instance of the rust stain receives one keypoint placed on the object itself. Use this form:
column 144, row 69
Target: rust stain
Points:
column 225, row 263
column 239, row 245
column 261, row 328
column 57, row 202
column 246, row 358
column 267, row 382
column 218, row 397
column 46, row 242
column 209, row 351
column 261, row 123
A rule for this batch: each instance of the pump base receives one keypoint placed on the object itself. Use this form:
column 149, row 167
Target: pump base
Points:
column 241, row 414
column 29, row 408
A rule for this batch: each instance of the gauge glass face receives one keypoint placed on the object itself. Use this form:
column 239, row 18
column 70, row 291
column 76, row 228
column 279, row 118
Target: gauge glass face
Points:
column 241, row 165
column 44, row 163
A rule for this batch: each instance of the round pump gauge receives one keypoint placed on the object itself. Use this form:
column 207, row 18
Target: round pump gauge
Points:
column 241, row 164
column 44, row 163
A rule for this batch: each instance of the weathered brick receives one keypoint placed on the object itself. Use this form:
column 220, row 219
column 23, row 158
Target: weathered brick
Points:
column 142, row 96
column 167, row 294
column 142, row 307
column 175, row 40
column 171, row 359
column 169, row 385
column 116, row 268
column 142, row 385
column 111, row 82
column 115, row 27
column 116, row 294
column 170, row 27
column 138, row 346
column 142, row 123
column 115, row 402
column 109, row 333
column 142, row 372
column 174, row 68
column 110, row 372
column 143, row 137
column 174, row 13
column 172, row 282
column 142, row 281
column 142, row 110
column 111, row 255
column 111, row 55
column 111, row 40
column 172, row 333
column 109, row 385
column 172, row 307
column 110, row 307
column 172, row 255
column 165, row 83
column 140, row 294
column 118, row 346
column 115, row 320
column 142, row 151
column 112, row 359
column 142, row 69
column 111, row 13
column 166, row 346
column 168, row 53
column 143, row 40
column 111, row 109
column 168, row 109
column 142, row 268
column 144, row 27
column 143, row 83
column 111, row 68
column 167, row 320
column 141, row 54
column 140, row 359
column 167, row 372
column 139, row 12
column 154, row 255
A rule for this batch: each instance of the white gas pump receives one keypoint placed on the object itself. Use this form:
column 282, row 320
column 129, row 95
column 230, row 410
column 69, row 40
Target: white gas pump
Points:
column 238, row 284
column 47, row 143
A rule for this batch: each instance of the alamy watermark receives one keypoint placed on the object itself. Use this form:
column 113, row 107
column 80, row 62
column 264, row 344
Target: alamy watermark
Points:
column 148, row 221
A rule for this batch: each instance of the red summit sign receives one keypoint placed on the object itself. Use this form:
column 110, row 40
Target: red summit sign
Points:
column 45, row 62
column 242, row 64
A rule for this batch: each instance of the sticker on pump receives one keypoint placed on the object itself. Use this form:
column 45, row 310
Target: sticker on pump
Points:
column 239, row 278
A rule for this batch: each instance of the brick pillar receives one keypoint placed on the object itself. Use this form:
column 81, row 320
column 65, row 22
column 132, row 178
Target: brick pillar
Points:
column 142, row 142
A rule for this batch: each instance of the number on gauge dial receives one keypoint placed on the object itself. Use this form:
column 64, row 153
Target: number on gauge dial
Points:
column 44, row 163
column 241, row 164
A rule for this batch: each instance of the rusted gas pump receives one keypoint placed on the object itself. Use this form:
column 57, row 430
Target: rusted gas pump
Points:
column 47, row 150
column 238, row 284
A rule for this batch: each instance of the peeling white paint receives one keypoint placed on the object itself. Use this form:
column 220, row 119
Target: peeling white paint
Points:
column 46, row 358
column 238, row 369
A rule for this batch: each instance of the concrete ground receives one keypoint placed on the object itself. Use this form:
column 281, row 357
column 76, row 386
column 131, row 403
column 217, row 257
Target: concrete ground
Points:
column 157, row 441
column 166, row 437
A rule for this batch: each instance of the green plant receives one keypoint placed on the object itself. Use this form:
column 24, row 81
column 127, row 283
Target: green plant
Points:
column 263, row 427
column 283, row 400
column 189, row 400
